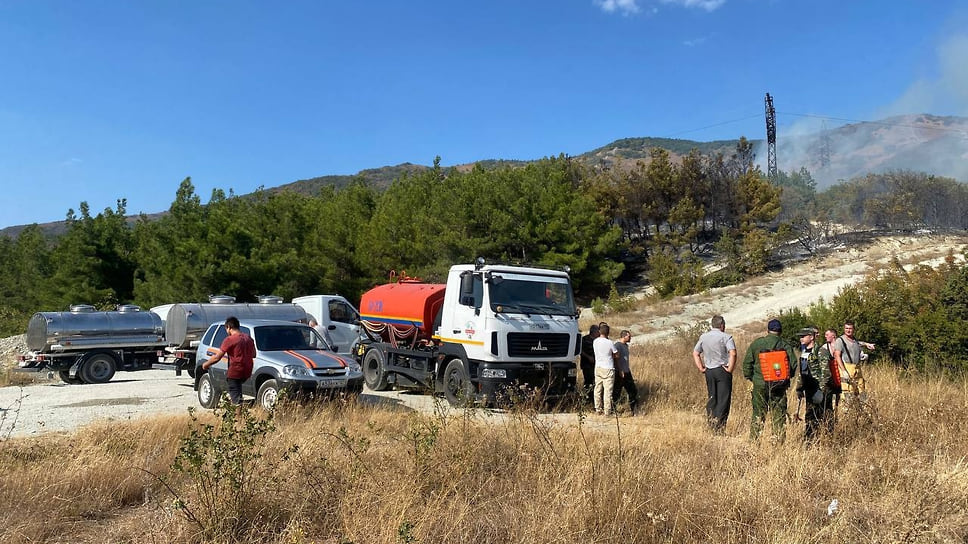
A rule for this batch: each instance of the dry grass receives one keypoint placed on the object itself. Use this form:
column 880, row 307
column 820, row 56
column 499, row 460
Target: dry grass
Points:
column 398, row 476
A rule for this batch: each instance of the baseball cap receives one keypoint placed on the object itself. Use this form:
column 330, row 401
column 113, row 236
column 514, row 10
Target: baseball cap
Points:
column 774, row 326
column 806, row 330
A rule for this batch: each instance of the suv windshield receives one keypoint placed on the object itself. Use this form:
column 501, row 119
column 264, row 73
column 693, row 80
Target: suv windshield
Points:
column 283, row 337
column 534, row 295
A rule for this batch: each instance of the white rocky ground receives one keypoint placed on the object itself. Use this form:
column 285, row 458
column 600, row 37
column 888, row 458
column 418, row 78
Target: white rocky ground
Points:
column 51, row 406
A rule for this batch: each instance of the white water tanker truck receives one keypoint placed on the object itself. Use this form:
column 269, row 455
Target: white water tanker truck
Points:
column 492, row 332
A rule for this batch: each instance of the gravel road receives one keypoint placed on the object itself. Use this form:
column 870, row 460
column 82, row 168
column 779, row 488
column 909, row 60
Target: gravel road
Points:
column 41, row 408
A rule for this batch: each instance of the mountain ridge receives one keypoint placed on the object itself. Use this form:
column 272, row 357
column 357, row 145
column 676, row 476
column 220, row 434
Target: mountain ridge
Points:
column 923, row 142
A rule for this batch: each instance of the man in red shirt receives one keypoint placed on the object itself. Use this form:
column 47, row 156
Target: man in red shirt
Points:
column 241, row 350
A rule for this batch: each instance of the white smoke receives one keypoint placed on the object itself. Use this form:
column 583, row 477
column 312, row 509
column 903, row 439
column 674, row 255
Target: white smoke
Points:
column 947, row 92
column 910, row 133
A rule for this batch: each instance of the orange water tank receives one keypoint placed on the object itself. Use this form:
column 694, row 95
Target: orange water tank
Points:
column 404, row 304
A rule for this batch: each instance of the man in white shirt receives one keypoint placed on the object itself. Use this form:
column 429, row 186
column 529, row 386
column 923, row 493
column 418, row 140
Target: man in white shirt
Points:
column 605, row 355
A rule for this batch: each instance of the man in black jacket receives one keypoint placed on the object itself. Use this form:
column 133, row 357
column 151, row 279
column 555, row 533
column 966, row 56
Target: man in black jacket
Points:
column 587, row 363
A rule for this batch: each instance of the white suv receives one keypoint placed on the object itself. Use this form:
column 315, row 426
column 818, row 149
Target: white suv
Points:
column 288, row 356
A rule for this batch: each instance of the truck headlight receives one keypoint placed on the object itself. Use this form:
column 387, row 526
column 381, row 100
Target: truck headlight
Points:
column 296, row 371
column 494, row 373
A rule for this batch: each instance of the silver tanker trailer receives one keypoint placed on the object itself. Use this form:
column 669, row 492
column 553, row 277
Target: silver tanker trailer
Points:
column 84, row 345
column 186, row 323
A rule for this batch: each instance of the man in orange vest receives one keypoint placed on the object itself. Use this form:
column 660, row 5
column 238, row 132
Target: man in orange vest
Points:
column 769, row 364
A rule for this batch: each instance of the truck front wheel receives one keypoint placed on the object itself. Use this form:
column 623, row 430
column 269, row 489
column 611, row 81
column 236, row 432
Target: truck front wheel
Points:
column 374, row 370
column 99, row 368
column 457, row 384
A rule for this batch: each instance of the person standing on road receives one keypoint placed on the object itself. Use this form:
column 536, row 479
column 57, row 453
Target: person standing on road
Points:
column 241, row 351
column 769, row 364
column 847, row 354
column 814, row 385
column 605, row 355
column 586, row 362
column 624, row 379
column 715, row 357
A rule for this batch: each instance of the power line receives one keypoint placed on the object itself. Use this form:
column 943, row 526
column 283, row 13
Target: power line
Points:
column 715, row 125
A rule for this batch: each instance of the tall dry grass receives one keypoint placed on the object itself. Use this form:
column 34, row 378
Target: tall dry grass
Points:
column 366, row 473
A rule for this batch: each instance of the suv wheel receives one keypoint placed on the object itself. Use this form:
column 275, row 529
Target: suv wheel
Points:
column 268, row 395
column 208, row 394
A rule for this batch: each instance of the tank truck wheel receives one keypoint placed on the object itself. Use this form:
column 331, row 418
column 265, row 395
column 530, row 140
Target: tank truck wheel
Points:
column 99, row 368
column 65, row 376
column 268, row 395
column 208, row 394
column 374, row 370
column 457, row 384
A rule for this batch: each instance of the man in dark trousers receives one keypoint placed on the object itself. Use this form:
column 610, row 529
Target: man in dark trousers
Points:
column 241, row 351
column 769, row 363
column 815, row 387
column 715, row 357
column 623, row 377
column 586, row 362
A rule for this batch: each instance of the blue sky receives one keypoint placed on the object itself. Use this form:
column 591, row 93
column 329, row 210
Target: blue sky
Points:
column 101, row 100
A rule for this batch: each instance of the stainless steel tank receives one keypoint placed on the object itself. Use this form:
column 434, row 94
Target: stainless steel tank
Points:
column 186, row 323
column 84, row 329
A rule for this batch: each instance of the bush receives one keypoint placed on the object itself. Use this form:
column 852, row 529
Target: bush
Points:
column 916, row 318
column 227, row 473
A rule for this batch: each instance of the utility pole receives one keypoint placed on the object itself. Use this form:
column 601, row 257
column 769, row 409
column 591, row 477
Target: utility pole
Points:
column 770, row 139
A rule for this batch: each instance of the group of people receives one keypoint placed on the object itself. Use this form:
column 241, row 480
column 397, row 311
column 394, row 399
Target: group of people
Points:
column 825, row 371
column 606, row 371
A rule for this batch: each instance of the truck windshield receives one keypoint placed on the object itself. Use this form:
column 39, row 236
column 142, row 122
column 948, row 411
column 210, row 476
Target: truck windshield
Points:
column 282, row 338
column 512, row 293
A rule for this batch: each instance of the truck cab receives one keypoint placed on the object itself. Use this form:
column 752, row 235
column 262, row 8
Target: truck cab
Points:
column 510, row 324
column 337, row 319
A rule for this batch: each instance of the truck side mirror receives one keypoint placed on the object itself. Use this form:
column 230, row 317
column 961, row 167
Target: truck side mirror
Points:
column 466, row 284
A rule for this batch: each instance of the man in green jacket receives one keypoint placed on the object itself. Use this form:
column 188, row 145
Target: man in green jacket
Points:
column 773, row 355
column 814, row 386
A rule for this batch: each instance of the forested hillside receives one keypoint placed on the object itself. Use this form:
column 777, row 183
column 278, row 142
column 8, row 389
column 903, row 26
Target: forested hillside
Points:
column 666, row 218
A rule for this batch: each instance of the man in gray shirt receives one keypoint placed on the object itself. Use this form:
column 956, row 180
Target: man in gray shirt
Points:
column 715, row 357
column 623, row 379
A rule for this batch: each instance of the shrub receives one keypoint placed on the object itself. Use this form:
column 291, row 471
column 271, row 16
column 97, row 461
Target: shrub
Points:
column 227, row 472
